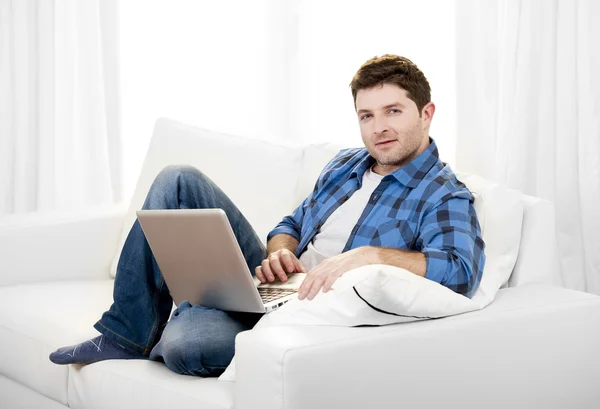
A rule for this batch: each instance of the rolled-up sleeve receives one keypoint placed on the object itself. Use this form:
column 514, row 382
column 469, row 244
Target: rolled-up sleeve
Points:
column 291, row 224
column 450, row 238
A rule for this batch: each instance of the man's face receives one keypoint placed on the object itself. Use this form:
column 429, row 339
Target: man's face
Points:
column 390, row 126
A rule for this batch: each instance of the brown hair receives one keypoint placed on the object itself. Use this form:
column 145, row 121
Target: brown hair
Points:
column 393, row 69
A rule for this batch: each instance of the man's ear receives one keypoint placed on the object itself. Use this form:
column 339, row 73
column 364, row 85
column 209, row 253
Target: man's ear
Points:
column 427, row 114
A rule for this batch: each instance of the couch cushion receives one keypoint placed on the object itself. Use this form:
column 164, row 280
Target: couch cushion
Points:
column 484, row 355
column 316, row 156
column 16, row 396
column 35, row 319
column 259, row 177
column 144, row 384
column 538, row 254
column 500, row 214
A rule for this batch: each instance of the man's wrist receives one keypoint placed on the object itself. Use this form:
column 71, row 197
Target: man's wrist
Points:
column 372, row 254
column 413, row 261
column 280, row 242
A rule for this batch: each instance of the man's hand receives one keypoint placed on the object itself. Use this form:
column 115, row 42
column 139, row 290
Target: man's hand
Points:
column 325, row 274
column 279, row 264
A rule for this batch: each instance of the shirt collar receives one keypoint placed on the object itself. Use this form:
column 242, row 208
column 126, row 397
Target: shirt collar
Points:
column 409, row 175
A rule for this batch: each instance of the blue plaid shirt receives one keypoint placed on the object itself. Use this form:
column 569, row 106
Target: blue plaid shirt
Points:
column 419, row 207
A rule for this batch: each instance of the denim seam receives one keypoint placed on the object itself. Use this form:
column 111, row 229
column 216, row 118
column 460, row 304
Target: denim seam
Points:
column 156, row 323
column 122, row 337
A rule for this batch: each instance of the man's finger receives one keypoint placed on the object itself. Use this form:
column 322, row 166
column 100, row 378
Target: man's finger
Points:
column 299, row 266
column 315, row 288
column 287, row 262
column 266, row 269
column 259, row 274
column 276, row 268
column 305, row 286
column 331, row 277
column 329, row 283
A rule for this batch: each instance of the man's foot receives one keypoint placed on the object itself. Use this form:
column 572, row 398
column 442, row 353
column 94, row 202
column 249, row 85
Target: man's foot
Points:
column 93, row 350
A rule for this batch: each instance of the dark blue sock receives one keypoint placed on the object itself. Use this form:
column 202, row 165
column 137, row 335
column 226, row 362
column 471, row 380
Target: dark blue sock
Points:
column 93, row 350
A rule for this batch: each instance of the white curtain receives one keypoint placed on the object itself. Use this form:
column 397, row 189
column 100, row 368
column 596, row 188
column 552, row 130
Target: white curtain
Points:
column 59, row 105
column 529, row 113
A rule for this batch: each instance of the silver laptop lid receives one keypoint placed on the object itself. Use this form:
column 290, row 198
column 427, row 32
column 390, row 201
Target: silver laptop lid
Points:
column 200, row 258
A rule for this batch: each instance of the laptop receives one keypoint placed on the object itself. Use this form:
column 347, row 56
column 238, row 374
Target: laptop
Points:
column 201, row 262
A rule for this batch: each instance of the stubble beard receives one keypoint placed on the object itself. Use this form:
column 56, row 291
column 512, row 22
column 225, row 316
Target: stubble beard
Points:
column 409, row 142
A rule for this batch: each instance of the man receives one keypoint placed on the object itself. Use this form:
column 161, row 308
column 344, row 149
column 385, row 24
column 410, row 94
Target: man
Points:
column 393, row 202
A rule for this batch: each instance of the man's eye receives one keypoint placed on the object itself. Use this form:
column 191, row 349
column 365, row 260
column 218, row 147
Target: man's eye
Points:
column 394, row 110
column 365, row 116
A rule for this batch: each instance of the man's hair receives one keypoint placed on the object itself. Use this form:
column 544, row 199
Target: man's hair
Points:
column 393, row 69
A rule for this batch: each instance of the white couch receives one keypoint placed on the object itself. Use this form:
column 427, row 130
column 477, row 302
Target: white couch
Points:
column 535, row 346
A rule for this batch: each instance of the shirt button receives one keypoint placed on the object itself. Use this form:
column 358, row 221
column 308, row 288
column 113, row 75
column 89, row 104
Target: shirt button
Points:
column 397, row 224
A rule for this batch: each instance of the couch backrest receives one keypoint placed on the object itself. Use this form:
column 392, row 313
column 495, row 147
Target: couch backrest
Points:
column 315, row 157
column 538, row 253
column 268, row 180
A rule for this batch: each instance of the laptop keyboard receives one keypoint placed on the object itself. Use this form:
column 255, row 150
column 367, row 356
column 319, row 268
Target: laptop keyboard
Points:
column 270, row 294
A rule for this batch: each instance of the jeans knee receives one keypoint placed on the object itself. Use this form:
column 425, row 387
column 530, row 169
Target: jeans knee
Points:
column 187, row 347
column 176, row 186
column 185, row 358
column 173, row 172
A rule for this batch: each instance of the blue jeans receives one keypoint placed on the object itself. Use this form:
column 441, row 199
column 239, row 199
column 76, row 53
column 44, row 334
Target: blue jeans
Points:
column 196, row 340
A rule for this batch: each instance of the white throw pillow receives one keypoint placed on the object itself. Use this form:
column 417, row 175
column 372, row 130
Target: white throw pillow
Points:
column 500, row 214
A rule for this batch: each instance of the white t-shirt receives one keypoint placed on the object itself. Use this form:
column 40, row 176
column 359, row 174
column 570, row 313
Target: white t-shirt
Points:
column 334, row 234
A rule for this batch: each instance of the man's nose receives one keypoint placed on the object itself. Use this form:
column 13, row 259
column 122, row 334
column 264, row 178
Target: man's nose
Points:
column 381, row 125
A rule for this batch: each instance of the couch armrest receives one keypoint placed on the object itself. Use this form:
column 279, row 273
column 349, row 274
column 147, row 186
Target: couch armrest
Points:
column 537, row 261
column 534, row 346
column 39, row 247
